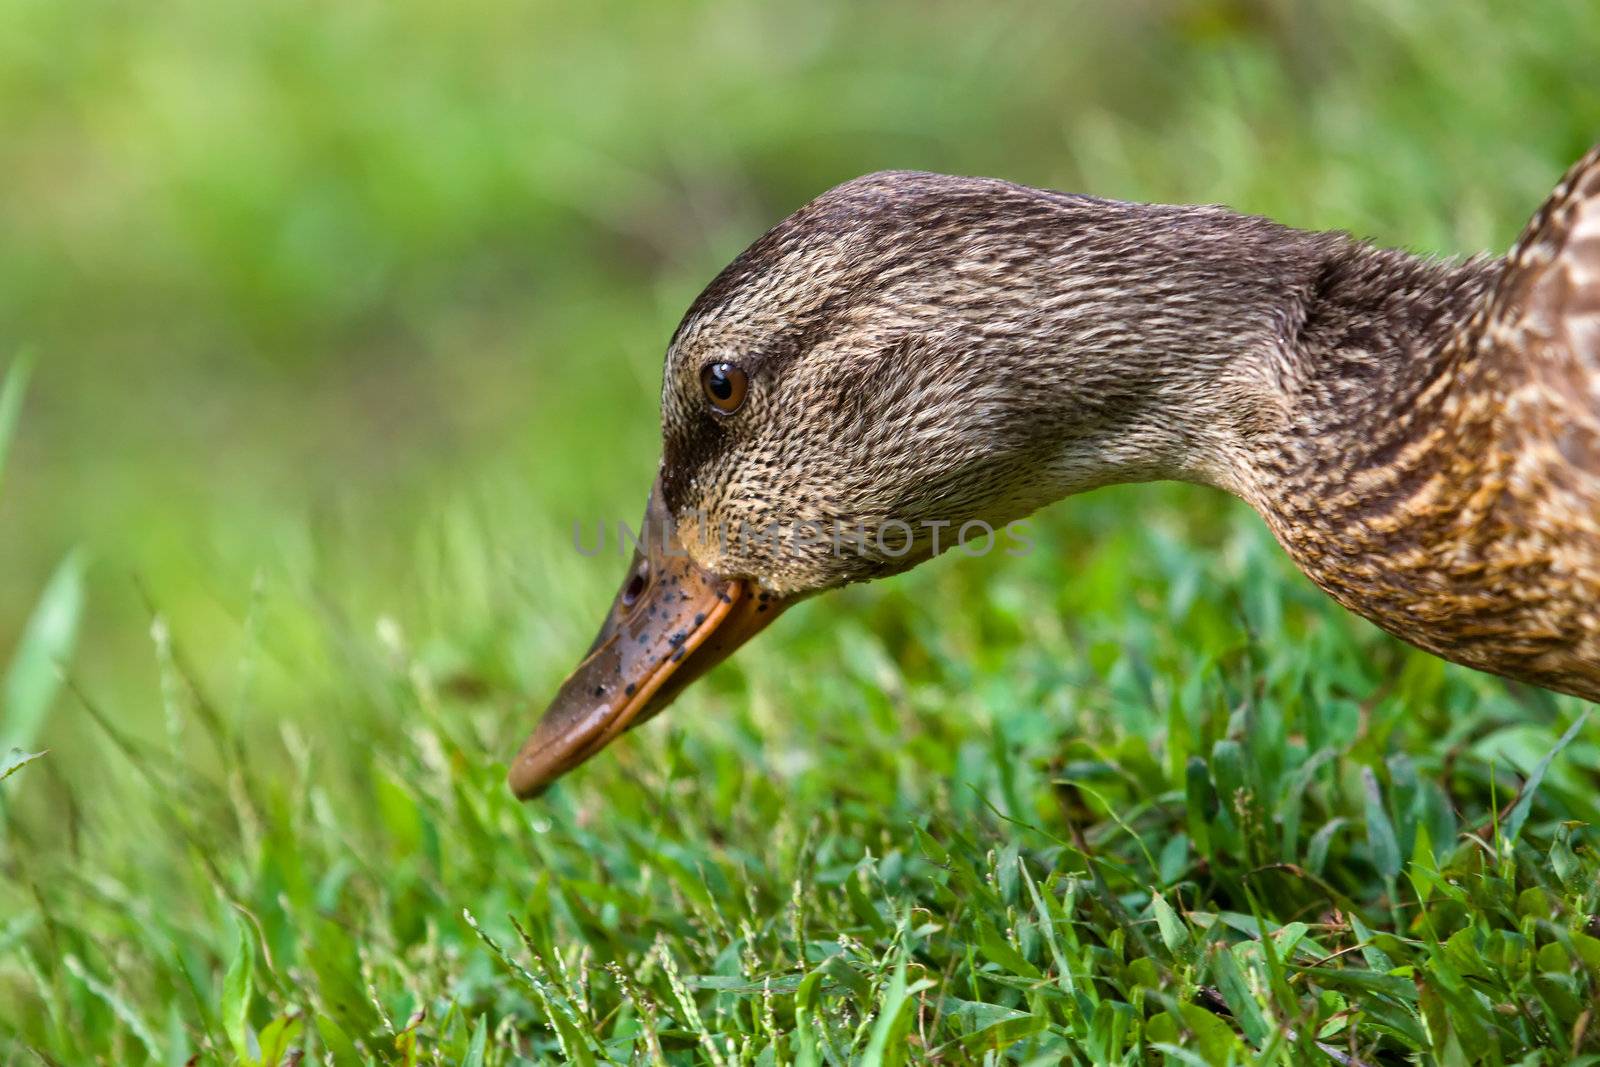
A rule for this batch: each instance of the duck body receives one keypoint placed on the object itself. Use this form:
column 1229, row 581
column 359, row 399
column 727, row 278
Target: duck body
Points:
column 912, row 352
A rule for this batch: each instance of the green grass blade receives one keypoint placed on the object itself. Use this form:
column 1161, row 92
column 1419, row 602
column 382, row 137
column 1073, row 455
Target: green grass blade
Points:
column 888, row 1032
column 1524, row 805
column 478, row 1044
column 1380, row 831
column 48, row 639
column 125, row 1012
column 11, row 392
column 237, row 985
column 14, row 761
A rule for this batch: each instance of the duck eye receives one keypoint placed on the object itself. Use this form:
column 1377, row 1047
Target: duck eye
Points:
column 725, row 386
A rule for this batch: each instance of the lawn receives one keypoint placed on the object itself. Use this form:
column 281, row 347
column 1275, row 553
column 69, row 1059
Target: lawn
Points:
column 323, row 324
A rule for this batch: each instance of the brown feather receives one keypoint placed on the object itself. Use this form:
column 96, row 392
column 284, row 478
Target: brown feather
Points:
column 1422, row 437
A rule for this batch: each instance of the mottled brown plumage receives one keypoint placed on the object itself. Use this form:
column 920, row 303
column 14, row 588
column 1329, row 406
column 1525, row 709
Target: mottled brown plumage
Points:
column 1423, row 437
column 1465, row 516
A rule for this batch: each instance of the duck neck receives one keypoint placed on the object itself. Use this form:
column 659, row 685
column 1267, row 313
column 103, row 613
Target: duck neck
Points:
column 1233, row 351
column 1365, row 384
column 1382, row 466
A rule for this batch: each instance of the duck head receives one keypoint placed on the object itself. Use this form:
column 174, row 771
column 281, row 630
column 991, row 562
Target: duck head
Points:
column 903, row 357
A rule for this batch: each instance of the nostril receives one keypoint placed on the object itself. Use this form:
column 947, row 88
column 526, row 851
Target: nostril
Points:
column 636, row 585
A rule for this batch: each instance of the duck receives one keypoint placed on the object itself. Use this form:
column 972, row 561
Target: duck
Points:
column 915, row 354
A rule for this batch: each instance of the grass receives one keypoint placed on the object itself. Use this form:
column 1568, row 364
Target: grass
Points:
column 341, row 318
column 890, row 833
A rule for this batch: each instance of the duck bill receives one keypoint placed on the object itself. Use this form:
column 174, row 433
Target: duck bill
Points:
column 671, row 622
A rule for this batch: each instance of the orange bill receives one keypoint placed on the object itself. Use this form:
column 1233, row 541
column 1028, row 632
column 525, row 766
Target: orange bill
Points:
column 671, row 622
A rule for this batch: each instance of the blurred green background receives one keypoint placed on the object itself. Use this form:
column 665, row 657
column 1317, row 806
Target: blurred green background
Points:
column 343, row 313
